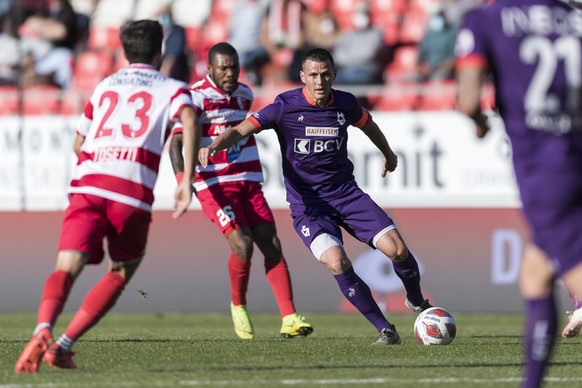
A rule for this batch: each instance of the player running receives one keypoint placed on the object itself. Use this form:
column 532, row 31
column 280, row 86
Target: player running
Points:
column 311, row 124
column 533, row 48
column 230, row 193
column 119, row 143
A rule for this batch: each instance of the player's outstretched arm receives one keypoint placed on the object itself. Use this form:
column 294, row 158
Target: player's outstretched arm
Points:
column 469, row 83
column 375, row 134
column 226, row 139
column 191, row 142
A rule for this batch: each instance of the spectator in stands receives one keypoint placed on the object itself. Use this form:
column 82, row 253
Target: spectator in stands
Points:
column 10, row 53
column 284, row 28
column 321, row 28
column 48, row 38
column 436, row 57
column 360, row 53
column 245, row 36
column 175, row 61
column 83, row 11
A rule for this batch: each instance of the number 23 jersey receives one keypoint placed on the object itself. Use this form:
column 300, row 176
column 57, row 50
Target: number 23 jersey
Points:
column 125, row 125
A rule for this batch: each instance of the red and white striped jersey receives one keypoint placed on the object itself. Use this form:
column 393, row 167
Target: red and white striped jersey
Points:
column 219, row 111
column 126, row 124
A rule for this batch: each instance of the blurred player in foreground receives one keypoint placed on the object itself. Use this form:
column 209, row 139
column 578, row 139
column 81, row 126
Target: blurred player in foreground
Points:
column 533, row 48
column 119, row 143
column 311, row 124
column 229, row 190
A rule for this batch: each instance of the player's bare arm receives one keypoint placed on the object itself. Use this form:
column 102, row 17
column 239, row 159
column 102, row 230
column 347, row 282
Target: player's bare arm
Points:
column 375, row 134
column 79, row 140
column 176, row 155
column 226, row 139
column 470, row 80
column 191, row 142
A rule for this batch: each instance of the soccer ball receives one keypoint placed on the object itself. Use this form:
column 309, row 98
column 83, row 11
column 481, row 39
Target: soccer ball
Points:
column 435, row 326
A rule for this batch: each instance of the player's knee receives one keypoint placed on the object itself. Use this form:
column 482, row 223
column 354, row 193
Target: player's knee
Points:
column 400, row 253
column 125, row 269
column 243, row 249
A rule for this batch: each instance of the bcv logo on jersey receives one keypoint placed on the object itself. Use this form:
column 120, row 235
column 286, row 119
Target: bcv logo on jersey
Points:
column 306, row 146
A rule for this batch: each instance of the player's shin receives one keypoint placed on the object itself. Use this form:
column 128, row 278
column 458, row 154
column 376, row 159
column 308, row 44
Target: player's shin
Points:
column 100, row 299
column 358, row 294
column 540, row 330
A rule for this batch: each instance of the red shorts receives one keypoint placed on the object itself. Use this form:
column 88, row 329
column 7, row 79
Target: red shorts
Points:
column 89, row 219
column 235, row 205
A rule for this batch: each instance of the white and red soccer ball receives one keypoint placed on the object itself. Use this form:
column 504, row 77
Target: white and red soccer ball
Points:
column 435, row 326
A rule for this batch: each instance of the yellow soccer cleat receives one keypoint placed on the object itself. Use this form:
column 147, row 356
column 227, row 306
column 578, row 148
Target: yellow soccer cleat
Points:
column 242, row 323
column 294, row 325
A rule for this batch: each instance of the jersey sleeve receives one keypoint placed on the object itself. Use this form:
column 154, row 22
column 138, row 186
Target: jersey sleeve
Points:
column 471, row 45
column 268, row 117
column 178, row 101
column 85, row 120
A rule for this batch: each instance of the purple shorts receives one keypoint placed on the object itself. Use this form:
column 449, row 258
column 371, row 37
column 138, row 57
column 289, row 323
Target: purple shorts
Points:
column 552, row 204
column 352, row 210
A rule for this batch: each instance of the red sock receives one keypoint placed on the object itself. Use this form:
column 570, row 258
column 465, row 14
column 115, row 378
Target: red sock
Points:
column 100, row 299
column 278, row 277
column 239, row 271
column 56, row 291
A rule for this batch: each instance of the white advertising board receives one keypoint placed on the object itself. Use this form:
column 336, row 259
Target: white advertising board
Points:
column 441, row 164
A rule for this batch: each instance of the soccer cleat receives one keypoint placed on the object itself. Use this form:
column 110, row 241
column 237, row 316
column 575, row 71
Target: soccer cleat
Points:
column 572, row 328
column 242, row 323
column 417, row 309
column 388, row 337
column 56, row 357
column 29, row 360
column 294, row 325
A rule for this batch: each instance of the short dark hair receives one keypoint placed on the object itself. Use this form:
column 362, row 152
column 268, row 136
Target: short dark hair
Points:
column 222, row 48
column 318, row 55
column 142, row 40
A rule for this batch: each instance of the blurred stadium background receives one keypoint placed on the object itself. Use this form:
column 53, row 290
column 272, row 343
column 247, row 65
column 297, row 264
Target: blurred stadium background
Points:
column 452, row 197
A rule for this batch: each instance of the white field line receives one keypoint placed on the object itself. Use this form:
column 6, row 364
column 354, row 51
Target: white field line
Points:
column 311, row 382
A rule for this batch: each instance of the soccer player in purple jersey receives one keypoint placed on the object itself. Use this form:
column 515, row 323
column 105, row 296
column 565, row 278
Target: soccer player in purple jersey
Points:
column 533, row 48
column 311, row 124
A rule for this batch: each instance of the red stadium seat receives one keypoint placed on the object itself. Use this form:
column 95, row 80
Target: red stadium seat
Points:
column 90, row 68
column 73, row 102
column 398, row 97
column 9, row 96
column 192, row 37
column 389, row 23
column 40, row 100
column 385, row 7
column 103, row 38
column 403, row 66
column 438, row 95
column 413, row 27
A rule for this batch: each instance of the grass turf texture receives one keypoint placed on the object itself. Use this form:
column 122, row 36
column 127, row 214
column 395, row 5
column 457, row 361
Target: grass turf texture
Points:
column 171, row 350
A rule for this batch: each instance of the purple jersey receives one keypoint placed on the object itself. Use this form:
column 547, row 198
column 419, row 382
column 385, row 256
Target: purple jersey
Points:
column 533, row 49
column 313, row 142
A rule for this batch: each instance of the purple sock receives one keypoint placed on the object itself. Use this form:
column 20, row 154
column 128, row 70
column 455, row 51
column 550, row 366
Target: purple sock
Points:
column 541, row 324
column 407, row 270
column 359, row 294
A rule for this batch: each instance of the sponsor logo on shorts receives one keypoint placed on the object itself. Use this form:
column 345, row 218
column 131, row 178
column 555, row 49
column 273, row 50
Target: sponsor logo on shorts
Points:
column 305, row 231
column 321, row 131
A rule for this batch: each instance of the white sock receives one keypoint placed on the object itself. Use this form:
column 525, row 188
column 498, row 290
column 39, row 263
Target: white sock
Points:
column 41, row 326
column 65, row 343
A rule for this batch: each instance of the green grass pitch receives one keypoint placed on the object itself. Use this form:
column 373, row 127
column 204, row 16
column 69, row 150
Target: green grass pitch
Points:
column 201, row 350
